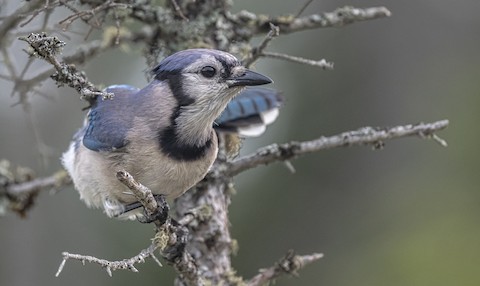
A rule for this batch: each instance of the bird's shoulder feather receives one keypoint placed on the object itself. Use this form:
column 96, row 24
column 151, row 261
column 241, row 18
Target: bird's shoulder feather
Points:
column 108, row 120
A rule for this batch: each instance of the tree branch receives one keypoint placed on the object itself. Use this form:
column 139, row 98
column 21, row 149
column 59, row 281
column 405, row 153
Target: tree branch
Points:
column 258, row 51
column 110, row 266
column 47, row 47
column 171, row 236
column 289, row 264
column 10, row 22
column 321, row 63
column 18, row 188
column 143, row 194
column 260, row 24
column 57, row 180
column 362, row 136
column 170, row 239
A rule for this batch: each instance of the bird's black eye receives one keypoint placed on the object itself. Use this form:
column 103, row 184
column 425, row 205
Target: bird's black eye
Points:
column 208, row 71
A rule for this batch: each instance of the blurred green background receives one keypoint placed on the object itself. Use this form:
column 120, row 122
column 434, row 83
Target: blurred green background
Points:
column 405, row 215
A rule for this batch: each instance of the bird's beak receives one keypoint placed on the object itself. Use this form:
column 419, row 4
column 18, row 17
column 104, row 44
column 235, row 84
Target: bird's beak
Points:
column 248, row 78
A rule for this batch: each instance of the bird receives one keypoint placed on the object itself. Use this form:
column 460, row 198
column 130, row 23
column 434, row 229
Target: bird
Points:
column 164, row 134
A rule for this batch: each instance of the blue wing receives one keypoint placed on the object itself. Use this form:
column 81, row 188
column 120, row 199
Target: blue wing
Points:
column 250, row 112
column 106, row 130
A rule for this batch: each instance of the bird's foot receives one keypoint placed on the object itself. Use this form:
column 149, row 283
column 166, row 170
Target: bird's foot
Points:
column 160, row 215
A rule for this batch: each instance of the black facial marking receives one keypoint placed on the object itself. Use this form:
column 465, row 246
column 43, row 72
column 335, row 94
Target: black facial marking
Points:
column 179, row 151
column 168, row 138
column 176, row 86
column 227, row 68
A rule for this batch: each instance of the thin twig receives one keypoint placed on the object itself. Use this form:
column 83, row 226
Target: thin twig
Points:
column 178, row 10
column 289, row 264
column 258, row 50
column 7, row 60
column 36, row 13
column 300, row 12
column 110, row 266
column 88, row 15
column 363, row 136
column 8, row 23
column 321, row 63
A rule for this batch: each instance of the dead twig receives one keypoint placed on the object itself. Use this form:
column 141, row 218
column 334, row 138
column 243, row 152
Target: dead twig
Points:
column 321, row 63
column 289, row 264
column 258, row 51
column 363, row 136
column 260, row 24
column 110, row 266
column 46, row 48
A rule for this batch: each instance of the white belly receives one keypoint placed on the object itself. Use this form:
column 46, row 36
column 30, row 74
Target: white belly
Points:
column 94, row 175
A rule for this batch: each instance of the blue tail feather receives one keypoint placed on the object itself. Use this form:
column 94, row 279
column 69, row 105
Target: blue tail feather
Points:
column 248, row 109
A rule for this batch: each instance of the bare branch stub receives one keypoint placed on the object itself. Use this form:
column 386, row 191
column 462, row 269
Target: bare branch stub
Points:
column 143, row 194
column 289, row 264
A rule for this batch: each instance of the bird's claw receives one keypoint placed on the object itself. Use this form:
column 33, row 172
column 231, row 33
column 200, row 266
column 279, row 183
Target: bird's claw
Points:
column 161, row 214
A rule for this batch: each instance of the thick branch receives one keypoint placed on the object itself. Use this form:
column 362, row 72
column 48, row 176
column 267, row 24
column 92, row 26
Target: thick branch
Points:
column 260, row 24
column 20, row 189
column 57, row 180
column 362, row 136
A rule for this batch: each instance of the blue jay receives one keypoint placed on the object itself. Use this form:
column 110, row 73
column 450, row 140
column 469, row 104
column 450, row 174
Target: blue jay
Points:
column 164, row 133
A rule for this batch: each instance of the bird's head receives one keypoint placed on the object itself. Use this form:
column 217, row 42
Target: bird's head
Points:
column 206, row 78
column 202, row 81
